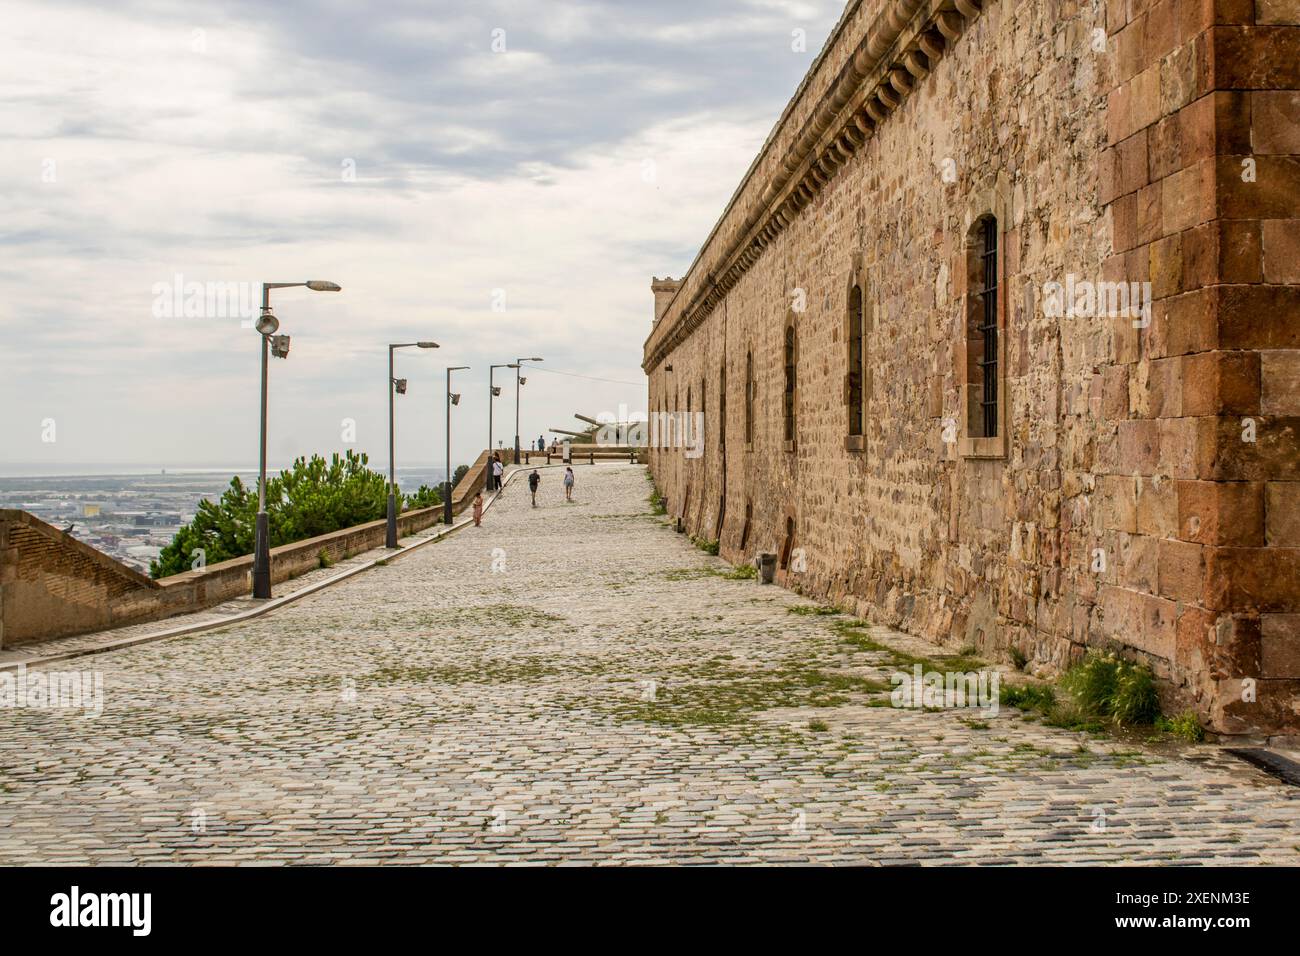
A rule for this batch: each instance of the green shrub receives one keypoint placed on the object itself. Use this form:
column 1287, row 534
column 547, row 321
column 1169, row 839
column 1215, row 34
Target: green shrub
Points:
column 742, row 572
column 657, row 503
column 312, row 498
column 1018, row 658
column 1186, row 725
column 705, row 545
column 1039, row 698
column 1107, row 686
column 325, row 560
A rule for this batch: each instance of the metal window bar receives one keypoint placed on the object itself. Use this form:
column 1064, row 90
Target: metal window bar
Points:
column 989, row 329
column 789, row 385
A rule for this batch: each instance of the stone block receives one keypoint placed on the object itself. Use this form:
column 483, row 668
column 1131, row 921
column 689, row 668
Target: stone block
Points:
column 1220, row 513
column 1282, row 515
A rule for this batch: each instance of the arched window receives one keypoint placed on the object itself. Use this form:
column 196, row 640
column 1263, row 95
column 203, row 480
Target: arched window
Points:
column 749, row 398
column 855, row 377
column 982, row 398
column 789, row 384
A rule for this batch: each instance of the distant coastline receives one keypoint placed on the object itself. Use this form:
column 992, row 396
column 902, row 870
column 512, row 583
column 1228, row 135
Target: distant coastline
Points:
column 117, row 470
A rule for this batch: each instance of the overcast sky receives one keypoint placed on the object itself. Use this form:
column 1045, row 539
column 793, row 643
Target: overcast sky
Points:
column 501, row 177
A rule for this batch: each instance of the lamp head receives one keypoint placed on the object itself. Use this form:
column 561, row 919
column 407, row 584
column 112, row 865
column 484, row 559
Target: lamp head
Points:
column 427, row 345
column 320, row 285
column 455, row 398
column 267, row 324
column 496, row 390
column 280, row 346
column 400, row 385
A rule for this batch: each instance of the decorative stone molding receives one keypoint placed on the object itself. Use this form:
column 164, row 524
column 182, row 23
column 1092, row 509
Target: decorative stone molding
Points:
column 899, row 49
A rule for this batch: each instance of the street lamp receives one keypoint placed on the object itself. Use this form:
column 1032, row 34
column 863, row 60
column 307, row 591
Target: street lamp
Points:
column 519, row 381
column 452, row 399
column 397, row 385
column 267, row 326
column 493, row 392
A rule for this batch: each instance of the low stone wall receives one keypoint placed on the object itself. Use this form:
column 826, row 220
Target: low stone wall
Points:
column 52, row 585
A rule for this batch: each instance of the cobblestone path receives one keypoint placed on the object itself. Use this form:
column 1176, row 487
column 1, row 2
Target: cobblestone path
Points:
column 606, row 694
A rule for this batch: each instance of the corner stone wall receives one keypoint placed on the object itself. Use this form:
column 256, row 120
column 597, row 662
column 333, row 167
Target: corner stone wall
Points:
column 1148, row 494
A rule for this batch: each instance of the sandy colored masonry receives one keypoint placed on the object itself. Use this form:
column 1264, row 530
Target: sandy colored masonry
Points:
column 1138, row 486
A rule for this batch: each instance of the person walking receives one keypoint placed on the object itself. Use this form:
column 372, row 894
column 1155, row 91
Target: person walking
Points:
column 478, row 509
column 541, row 443
column 533, row 481
column 568, row 484
column 497, row 470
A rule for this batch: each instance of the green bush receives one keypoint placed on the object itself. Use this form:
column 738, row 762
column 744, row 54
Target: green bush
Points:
column 1107, row 686
column 705, row 545
column 1186, row 725
column 311, row 498
column 1033, row 697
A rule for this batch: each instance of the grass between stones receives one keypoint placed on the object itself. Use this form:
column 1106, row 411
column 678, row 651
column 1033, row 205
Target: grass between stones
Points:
column 716, row 693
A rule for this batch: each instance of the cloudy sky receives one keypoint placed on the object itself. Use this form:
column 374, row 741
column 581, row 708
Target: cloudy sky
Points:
column 501, row 177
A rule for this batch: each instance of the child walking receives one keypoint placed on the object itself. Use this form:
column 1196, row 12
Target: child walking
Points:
column 478, row 509
column 568, row 484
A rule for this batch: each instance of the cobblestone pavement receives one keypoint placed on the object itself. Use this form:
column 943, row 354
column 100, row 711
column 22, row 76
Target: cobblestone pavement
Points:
column 607, row 694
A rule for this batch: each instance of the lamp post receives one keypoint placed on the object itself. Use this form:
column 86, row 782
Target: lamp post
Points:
column 493, row 392
column 452, row 399
column 278, row 345
column 398, row 386
column 519, row 381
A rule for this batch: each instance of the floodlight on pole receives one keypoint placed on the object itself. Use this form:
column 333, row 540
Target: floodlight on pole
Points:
column 396, row 386
column 518, row 382
column 452, row 399
column 267, row 326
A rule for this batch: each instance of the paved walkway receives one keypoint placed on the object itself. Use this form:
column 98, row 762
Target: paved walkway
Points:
column 576, row 683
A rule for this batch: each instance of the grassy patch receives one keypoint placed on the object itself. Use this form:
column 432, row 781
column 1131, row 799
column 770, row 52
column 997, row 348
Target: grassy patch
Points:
column 1186, row 726
column 812, row 610
column 716, row 693
column 1112, row 688
column 505, row 671
column 657, row 503
column 705, row 545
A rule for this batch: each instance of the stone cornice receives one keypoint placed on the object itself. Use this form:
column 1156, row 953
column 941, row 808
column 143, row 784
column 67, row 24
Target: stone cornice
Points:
column 895, row 53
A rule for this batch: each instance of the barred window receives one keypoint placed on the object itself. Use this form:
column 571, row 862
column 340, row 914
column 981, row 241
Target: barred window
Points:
column 749, row 397
column 789, row 383
column 855, row 335
column 982, row 330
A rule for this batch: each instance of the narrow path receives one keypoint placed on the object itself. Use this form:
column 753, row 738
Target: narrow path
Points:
column 577, row 683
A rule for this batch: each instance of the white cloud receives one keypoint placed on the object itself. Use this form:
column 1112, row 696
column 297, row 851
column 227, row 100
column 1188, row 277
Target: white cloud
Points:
column 525, row 171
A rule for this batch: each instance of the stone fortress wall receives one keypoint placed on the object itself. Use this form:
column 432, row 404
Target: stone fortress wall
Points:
column 1138, row 483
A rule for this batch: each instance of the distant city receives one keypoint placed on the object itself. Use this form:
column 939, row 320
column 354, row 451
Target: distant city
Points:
column 128, row 513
